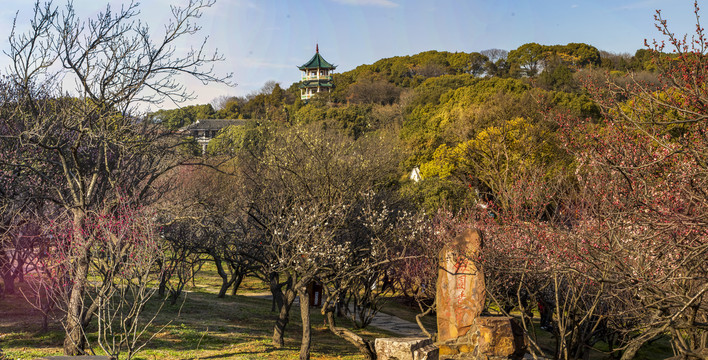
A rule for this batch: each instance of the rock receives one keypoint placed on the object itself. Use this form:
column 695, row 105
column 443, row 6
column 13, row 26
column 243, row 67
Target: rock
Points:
column 448, row 349
column 490, row 338
column 405, row 349
column 501, row 336
column 428, row 352
column 460, row 286
column 462, row 332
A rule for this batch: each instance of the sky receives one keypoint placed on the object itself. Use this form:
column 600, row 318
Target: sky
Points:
column 264, row 40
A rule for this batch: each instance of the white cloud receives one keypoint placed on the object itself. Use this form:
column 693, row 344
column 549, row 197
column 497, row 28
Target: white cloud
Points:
column 379, row 3
column 574, row 6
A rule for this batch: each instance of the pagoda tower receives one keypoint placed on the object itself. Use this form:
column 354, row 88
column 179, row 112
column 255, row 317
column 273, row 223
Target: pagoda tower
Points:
column 316, row 76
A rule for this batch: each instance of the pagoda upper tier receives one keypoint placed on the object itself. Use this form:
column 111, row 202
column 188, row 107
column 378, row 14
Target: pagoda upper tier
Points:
column 317, row 62
column 316, row 76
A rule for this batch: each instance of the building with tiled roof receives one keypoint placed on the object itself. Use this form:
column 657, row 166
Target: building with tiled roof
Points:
column 316, row 76
column 204, row 130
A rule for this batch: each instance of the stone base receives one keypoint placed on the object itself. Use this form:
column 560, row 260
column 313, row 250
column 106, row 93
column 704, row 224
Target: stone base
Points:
column 429, row 352
column 491, row 337
column 405, row 349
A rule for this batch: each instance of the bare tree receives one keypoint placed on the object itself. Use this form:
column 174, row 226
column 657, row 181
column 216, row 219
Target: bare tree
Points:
column 219, row 102
column 88, row 148
column 306, row 187
column 495, row 55
column 206, row 216
column 125, row 265
column 644, row 177
column 371, row 91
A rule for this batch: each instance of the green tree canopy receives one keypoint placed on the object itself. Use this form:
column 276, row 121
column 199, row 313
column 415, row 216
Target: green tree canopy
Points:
column 183, row 116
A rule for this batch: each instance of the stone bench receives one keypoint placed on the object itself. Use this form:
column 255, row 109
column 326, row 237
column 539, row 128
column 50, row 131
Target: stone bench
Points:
column 405, row 349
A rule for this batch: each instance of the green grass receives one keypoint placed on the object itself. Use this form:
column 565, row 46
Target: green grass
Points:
column 202, row 326
column 209, row 281
column 199, row 326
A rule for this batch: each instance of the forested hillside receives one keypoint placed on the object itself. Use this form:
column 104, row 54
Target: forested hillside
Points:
column 442, row 107
column 586, row 173
column 585, row 170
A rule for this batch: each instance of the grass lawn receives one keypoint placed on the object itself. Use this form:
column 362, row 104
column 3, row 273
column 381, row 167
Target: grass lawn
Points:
column 200, row 327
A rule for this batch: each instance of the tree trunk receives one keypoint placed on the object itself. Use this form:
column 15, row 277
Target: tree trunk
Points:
column 238, row 279
column 306, row 327
column 20, row 269
column 418, row 321
column 225, row 282
column 75, row 341
column 365, row 347
column 276, row 291
column 631, row 350
column 162, row 288
column 7, row 276
column 283, row 319
column 45, row 322
column 341, row 305
column 9, row 281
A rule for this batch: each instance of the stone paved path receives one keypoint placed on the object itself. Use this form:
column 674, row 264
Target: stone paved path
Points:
column 382, row 321
column 396, row 325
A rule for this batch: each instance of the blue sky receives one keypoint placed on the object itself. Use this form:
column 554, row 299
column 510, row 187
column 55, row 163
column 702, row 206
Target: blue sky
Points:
column 267, row 39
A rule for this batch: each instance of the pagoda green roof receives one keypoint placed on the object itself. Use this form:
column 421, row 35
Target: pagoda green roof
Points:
column 315, row 83
column 317, row 62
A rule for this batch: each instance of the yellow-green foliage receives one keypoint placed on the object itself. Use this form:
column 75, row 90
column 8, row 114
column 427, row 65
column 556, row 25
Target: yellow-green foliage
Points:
column 528, row 58
column 497, row 157
column 484, row 151
column 444, row 111
column 659, row 121
column 411, row 71
column 443, row 163
column 454, row 103
column 231, row 139
column 309, row 113
column 579, row 104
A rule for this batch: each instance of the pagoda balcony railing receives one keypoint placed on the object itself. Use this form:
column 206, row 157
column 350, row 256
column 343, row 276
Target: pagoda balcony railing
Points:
column 316, row 77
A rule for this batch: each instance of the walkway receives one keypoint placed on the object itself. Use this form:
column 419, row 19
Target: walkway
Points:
column 396, row 325
column 382, row 321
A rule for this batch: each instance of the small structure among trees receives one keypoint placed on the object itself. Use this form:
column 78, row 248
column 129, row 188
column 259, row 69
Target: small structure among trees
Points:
column 204, row 130
column 316, row 76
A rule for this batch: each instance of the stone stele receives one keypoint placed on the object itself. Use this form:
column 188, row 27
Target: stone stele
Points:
column 460, row 287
